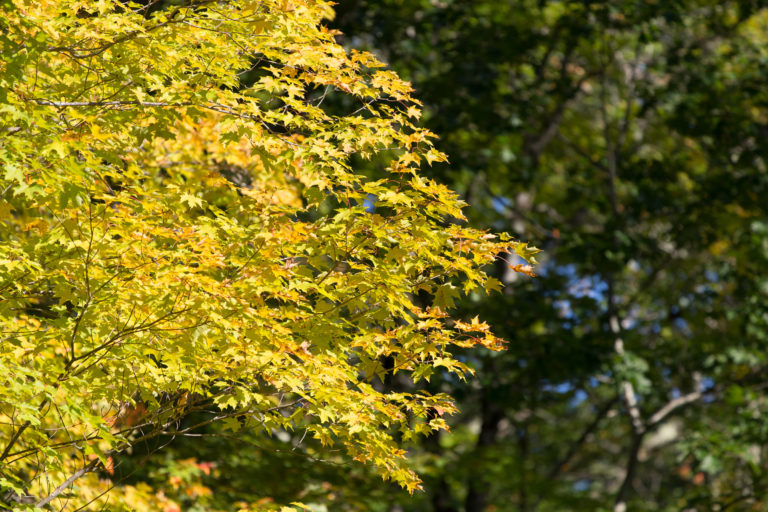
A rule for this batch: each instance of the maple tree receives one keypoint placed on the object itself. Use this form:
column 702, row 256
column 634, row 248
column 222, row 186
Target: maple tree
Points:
column 177, row 240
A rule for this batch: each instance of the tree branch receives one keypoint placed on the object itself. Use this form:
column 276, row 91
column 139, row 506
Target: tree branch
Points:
column 85, row 469
column 620, row 505
column 601, row 413
column 672, row 406
column 128, row 36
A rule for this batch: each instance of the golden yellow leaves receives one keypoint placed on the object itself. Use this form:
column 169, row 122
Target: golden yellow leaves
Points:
column 198, row 241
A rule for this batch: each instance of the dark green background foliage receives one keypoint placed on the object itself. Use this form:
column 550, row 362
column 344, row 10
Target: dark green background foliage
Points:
column 627, row 140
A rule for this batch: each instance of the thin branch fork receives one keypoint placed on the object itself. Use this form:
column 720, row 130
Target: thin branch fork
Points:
column 602, row 412
column 215, row 107
column 93, row 52
column 61, row 488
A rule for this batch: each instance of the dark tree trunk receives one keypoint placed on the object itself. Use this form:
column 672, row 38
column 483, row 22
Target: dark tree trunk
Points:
column 477, row 487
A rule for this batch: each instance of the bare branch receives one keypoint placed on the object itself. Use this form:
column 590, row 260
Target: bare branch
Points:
column 86, row 469
column 601, row 413
column 672, row 406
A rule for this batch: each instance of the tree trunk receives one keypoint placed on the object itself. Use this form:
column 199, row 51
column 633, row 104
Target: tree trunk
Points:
column 477, row 487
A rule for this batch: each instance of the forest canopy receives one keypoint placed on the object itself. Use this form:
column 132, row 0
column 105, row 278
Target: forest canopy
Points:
column 246, row 250
column 626, row 140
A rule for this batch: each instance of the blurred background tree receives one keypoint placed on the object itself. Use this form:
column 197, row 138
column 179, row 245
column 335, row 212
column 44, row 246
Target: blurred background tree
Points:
column 627, row 140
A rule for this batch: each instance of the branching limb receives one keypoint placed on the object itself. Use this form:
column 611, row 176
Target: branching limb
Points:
column 85, row 469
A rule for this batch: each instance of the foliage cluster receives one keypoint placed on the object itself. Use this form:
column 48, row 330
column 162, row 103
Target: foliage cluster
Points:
column 184, row 242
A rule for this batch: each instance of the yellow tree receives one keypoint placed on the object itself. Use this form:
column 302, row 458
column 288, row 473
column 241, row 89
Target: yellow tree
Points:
column 174, row 239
